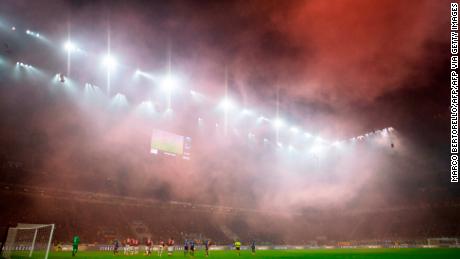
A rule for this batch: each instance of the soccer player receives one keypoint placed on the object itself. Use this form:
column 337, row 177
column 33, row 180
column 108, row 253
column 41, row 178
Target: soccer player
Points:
column 76, row 241
column 127, row 244
column 148, row 246
column 186, row 247
column 207, row 243
column 170, row 246
column 238, row 247
column 253, row 247
column 131, row 246
column 116, row 245
column 59, row 247
column 192, row 248
column 160, row 248
column 136, row 246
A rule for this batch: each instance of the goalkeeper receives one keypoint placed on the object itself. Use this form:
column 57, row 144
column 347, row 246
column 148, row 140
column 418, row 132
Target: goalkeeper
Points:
column 76, row 241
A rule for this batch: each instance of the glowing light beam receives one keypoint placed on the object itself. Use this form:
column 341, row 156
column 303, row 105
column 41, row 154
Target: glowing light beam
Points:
column 109, row 61
column 278, row 123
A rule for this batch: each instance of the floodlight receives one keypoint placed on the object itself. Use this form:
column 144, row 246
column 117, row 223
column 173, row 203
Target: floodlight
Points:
column 138, row 73
column 168, row 83
column 23, row 65
column 247, row 112
column 278, row 123
column 13, row 28
column 316, row 149
column 29, row 32
column 109, row 61
column 69, row 46
column 147, row 106
column 226, row 104
column 294, row 130
column 385, row 133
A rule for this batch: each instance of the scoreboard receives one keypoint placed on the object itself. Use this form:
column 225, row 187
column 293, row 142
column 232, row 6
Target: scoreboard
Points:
column 170, row 144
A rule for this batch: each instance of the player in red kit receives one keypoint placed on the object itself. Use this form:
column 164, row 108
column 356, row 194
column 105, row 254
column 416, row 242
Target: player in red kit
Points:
column 148, row 246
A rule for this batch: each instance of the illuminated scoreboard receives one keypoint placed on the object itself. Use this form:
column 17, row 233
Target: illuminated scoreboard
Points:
column 170, row 144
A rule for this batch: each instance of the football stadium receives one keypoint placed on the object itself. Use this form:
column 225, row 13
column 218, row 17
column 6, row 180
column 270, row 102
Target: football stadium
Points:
column 229, row 129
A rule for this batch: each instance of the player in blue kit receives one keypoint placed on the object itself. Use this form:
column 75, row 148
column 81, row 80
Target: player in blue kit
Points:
column 186, row 247
column 192, row 248
column 207, row 244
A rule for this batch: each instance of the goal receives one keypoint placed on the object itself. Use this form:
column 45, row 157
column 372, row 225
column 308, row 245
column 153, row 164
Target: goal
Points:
column 28, row 240
column 443, row 242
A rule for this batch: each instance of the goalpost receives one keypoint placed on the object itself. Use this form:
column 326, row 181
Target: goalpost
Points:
column 443, row 242
column 28, row 240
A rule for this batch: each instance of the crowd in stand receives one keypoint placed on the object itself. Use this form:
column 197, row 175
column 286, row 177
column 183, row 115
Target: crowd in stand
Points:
column 97, row 221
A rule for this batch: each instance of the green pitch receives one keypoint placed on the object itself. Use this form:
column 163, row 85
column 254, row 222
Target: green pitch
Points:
column 286, row 254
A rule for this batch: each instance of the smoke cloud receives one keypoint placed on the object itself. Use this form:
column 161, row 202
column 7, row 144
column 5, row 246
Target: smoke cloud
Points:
column 331, row 63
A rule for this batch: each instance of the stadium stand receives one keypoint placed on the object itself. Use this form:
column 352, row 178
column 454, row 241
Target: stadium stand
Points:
column 100, row 218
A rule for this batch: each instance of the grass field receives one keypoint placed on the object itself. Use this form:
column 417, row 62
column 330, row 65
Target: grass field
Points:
column 418, row 253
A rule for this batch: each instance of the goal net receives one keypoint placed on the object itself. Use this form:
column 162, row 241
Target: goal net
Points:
column 443, row 242
column 28, row 241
